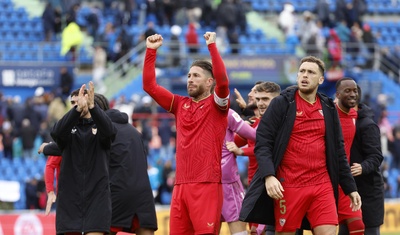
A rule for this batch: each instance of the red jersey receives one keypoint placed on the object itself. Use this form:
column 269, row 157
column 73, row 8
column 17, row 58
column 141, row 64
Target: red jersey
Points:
column 348, row 124
column 304, row 162
column 200, row 130
column 200, row 125
column 52, row 166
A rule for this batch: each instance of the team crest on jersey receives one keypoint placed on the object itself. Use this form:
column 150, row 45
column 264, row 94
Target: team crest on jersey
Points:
column 73, row 131
column 321, row 112
column 299, row 113
column 94, row 131
column 282, row 222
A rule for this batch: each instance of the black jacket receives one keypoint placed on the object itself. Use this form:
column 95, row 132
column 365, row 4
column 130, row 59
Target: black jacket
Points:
column 84, row 200
column 130, row 185
column 366, row 150
column 273, row 134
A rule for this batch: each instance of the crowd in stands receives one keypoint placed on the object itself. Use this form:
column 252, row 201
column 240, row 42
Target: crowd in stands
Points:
column 120, row 25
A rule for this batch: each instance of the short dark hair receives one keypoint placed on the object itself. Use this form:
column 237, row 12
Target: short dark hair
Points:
column 76, row 92
column 205, row 65
column 313, row 59
column 269, row 87
column 339, row 82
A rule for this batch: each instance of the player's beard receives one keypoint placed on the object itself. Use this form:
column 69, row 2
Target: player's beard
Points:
column 308, row 90
column 198, row 91
column 252, row 106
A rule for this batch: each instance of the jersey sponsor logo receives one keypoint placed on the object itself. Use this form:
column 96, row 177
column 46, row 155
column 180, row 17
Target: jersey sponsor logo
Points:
column 186, row 106
column 236, row 117
column 299, row 113
column 94, row 131
column 282, row 222
column 210, row 224
column 321, row 112
column 73, row 131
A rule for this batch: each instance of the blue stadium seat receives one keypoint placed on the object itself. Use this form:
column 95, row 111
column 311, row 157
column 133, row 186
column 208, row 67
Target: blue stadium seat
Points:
column 5, row 163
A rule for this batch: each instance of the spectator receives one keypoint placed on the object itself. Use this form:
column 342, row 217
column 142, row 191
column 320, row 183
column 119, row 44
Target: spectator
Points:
column 394, row 148
column 175, row 47
column 140, row 119
column 49, row 20
column 149, row 31
column 35, row 117
column 233, row 39
column 311, row 41
column 93, row 21
column 340, row 11
column 387, row 62
column 71, row 39
column 164, row 192
column 343, row 32
column 15, row 112
column 57, row 108
column 72, row 12
column 192, row 40
column 369, row 41
column 194, row 10
column 8, row 136
column 28, row 134
column 334, row 49
column 57, row 21
column 165, row 133
column 66, row 82
column 241, row 15
column 227, row 16
column 99, row 67
column 323, row 13
column 32, row 200
column 286, row 20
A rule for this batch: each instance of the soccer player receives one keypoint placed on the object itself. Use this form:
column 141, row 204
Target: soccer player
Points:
column 263, row 93
column 201, row 122
column 249, row 110
column 346, row 95
column 366, row 158
column 301, row 158
column 231, row 183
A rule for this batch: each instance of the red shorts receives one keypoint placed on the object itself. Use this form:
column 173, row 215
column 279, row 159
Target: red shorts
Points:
column 196, row 208
column 135, row 225
column 316, row 202
column 344, row 209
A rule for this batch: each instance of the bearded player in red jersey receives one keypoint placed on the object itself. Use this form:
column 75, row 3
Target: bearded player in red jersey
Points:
column 201, row 122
